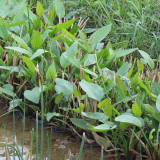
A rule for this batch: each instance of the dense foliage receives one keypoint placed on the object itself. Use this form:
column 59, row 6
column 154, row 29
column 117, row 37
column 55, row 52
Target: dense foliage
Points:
column 86, row 77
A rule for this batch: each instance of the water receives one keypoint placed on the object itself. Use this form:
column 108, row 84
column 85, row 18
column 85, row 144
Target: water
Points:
column 59, row 151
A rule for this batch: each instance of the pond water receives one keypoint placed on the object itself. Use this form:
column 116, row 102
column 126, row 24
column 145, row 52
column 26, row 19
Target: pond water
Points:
column 59, row 151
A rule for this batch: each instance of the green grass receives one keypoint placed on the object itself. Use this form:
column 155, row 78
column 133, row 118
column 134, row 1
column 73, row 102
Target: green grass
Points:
column 136, row 23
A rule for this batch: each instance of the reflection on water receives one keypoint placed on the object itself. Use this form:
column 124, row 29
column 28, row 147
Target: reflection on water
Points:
column 58, row 150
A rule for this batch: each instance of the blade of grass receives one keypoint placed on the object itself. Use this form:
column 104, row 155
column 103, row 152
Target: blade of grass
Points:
column 81, row 149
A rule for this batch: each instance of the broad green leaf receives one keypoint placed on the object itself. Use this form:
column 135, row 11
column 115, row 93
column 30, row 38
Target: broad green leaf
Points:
column 123, row 69
column 108, row 74
column 93, row 90
column 96, row 115
column 51, row 14
column 63, row 86
column 19, row 13
column 130, row 118
column 77, row 93
column 102, row 103
column 147, row 58
column 70, row 14
column 122, row 53
column 68, row 34
column 82, row 36
column 38, row 24
column 32, row 16
column 45, row 34
column 89, row 59
column 91, row 73
column 7, row 91
column 108, row 108
column 65, row 25
column 38, row 53
column 155, row 88
column 29, row 64
column 87, row 77
column 140, row 66
column 73, row 49
column 3, row 29
column 32, row 95
column 136, row 110
column 75, row 62
column 140, row 98
column 137, row 82
column 51, row 115
column 86, row 45
column 110, row 86
column 8, row 86
column 100, row 34
column 59, row 98
column 126, row 81
column 123, row 126
column 121, row 86
column 157, row 116
column 21, row 50
column 131, row 70
column 19, row 40
column 158, row 103
column 60, row 10
column 65, row 34
column 119, row 96
column 70, row 52
column 80, row 109
column 102, row 127
column 54, row 49
column 1, row 49
column 148, row 108
column 74, row 29
column 10, row 68
column 39, row 9
column 14, row 103
column 80, row 123
column 103, row 54
column 45, row 88
column 3, row 32
column 89, row 30
column 36, row 40
column 51, row 72
column 15, row 24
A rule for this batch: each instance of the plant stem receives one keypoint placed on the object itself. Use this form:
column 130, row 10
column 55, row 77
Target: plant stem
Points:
column 14, row 133
column 42, row 110
column 23, row 132
column 32, row 136
column 81, row 149
column 36, row 135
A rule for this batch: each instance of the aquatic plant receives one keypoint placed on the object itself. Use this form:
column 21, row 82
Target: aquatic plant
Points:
column 51, row 66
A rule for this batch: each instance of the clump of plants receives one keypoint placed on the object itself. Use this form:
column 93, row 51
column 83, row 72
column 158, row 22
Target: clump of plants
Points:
column 48, row 64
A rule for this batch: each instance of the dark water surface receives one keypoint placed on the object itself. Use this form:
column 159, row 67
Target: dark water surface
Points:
column 70, row 145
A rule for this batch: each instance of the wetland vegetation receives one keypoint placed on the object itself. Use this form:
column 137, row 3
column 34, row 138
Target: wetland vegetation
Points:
column 88, row 68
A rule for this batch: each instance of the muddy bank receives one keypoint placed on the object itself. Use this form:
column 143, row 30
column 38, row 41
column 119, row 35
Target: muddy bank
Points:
column 62, row 144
